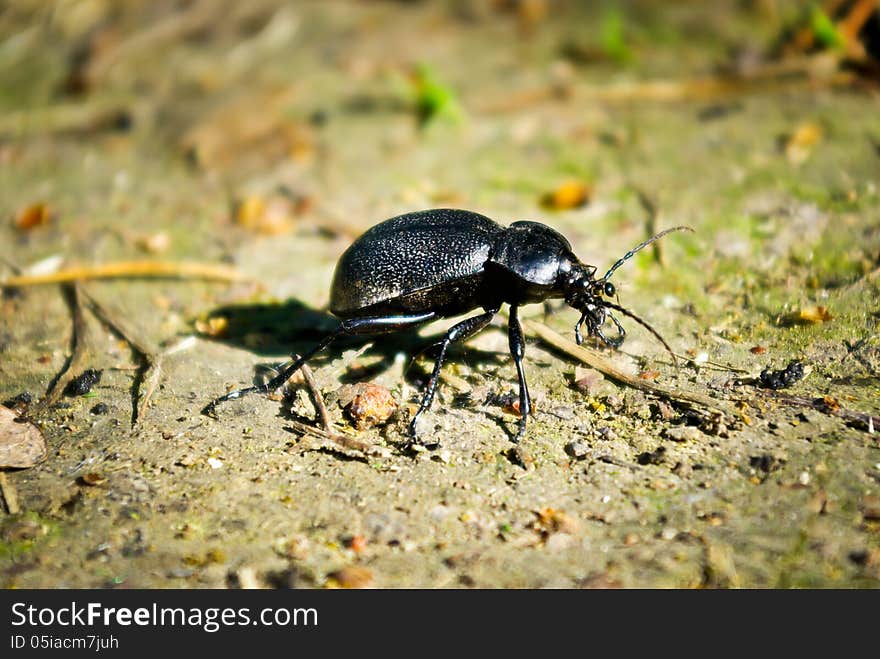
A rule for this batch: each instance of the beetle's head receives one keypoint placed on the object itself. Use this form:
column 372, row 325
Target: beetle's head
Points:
column 592, row 297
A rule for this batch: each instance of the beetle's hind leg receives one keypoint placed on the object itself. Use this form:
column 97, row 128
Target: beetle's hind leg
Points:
column 348, row 327
column 275, row 382
column 517, row 351
column 458, row 332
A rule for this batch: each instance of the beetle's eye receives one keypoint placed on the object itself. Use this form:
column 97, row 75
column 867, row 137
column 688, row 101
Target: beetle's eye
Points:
column 609, row 289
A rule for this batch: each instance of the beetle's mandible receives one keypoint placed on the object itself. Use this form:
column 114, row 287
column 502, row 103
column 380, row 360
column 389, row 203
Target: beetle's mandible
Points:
column 418, row 267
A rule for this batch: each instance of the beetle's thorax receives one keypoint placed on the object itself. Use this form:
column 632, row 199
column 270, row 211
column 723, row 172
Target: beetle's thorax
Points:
column 532, row 262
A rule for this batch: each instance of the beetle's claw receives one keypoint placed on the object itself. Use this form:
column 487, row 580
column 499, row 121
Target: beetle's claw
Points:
column 614, row 343
column 521, row 431
column 578, row 336
column 413, row 441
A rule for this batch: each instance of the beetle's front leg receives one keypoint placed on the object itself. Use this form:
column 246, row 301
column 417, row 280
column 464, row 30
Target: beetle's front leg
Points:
column 577, row 329
column 618, row 340
column 517, row 351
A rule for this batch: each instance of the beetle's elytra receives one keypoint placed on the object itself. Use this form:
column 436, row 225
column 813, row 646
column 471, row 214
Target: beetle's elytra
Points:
column 419, row 267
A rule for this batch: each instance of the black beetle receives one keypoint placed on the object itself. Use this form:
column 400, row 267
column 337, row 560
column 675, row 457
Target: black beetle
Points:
column 419, row 267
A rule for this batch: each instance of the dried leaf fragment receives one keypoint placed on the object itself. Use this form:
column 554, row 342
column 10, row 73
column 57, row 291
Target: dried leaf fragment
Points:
column 800, row 143
column 870, row 508
column 93, row 479
column 352, row 576
column 550, row 520
column 269, row 216
column 808, row 316
column 22, row 444
column 512, row 407
column 33, row 216
column 214, row 326
column 357, row 543
column 570, row 194
column 155, row 243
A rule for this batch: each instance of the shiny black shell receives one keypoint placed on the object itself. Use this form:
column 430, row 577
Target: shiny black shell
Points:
column 447, row 261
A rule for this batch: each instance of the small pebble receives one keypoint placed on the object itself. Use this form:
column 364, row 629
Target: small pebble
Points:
column 247, row 578
column 83, row 383
column 606, row 433
column 92, row 479
column 443, row 455
column 438, row 513
column 19, row 403
column 100, row 408
column 357, row 543
column 782, row 378
column 577, row 450
column 870, row 507
column 630, row 539
column 558, row 541
column 352, row 576
column 683, row 434
column 652, row 457
column 588, row 380
column 373, row 405
column 700, row 358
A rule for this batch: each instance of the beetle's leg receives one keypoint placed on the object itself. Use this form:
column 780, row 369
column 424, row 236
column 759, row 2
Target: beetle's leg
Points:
column 458, row 332
column 618, row 340
column 577, row 329
column 517, row 350
column 348, row 327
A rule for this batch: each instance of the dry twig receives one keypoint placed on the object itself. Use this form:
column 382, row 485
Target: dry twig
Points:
column 336, row 441
column 130, row 269
column 149, row 351
column 7, row 489
column 82, row 351
column 594, row 360
column 317, row 398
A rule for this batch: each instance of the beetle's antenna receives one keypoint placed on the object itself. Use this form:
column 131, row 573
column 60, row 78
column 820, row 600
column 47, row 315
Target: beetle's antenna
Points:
column 635, row 249
column 644, row 324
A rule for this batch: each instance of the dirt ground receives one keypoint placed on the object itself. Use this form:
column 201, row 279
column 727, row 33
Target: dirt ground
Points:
column 265, row 136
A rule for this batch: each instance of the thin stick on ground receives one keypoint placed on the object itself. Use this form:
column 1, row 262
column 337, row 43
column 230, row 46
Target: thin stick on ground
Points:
column 715, row 365
column 151, row 369
column 335, row 441
column 81, row 352
column 861, row 420
column 317, row 398
column 327, row 433
column 10, row 496
column 592, row 359
column 806, row 73
column 649, row 205
column 130, row 269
